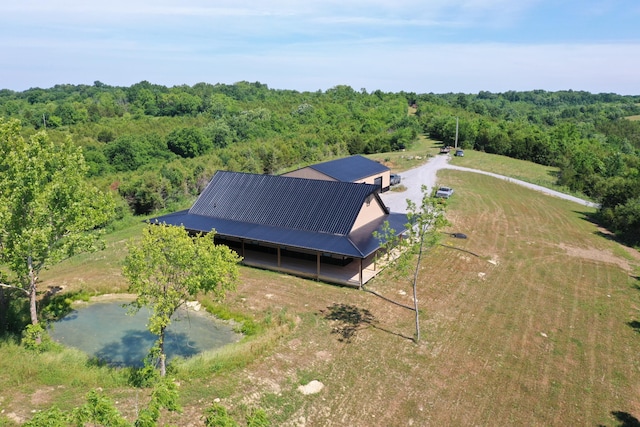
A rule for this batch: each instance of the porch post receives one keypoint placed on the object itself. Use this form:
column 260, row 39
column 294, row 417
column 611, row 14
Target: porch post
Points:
column 278, row 256
column 360, row 272
column 242, row 248
column 318, row 266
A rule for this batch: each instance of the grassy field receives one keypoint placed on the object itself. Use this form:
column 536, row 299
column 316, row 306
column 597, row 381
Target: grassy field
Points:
column 532, row 320
column 414, row 156
column 514, row 168
column 425, row 148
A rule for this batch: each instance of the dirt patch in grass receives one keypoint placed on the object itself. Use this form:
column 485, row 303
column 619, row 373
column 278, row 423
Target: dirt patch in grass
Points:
column 599, row 255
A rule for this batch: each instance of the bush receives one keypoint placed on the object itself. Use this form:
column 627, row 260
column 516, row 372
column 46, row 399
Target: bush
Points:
column 188, row 142
column 36, row 338
column 52, row 417
column 126, row 154
column 145, row 193
column 217, row 416
column 14, row 312
column 258, row 418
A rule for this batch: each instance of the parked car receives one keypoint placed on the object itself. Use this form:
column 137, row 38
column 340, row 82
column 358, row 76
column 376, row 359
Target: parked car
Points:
column 459, row 153
column 444, row 192
column 395, row 179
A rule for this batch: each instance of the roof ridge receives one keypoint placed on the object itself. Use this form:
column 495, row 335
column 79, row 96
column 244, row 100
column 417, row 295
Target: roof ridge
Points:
column 288, row 202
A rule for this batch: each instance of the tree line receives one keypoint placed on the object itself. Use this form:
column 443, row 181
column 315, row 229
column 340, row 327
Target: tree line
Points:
column 62, row 149
column 593, row 140
column 156, row 146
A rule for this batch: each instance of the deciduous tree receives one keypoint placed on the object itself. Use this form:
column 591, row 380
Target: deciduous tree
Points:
column 48, row 211
column 405, row 253
column 168, row 266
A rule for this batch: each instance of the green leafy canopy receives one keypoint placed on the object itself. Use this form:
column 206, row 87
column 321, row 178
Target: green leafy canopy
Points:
column 48, row 211
column 168, row 266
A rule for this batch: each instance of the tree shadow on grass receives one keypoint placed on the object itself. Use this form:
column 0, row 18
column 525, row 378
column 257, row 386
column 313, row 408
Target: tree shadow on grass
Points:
column 625, row 419
column 628, row 239
column 635, row 325
column 351, row 319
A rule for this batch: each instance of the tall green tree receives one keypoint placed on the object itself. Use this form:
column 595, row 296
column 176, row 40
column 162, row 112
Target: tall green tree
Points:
column 48, row 211
column 168, row 266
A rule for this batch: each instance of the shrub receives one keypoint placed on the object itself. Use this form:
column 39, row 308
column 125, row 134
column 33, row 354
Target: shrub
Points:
column 217, row 416
column 188, row 142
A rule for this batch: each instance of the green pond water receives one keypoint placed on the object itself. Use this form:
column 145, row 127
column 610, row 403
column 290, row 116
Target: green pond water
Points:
column 106, row 331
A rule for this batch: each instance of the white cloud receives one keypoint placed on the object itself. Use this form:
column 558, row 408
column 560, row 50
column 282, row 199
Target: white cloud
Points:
column 314, row 10
column 317, row 44
column 468, row 68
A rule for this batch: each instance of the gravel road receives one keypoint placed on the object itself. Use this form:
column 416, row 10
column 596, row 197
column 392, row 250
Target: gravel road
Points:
column 414, row 179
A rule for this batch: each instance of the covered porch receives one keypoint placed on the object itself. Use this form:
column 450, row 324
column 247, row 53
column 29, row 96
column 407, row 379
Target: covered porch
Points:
column 331, row 268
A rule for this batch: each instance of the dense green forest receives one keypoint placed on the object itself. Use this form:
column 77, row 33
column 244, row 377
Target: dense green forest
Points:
column 156, row 146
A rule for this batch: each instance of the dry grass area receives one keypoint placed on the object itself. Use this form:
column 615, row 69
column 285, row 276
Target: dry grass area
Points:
column 532, row 320
column 419, row 152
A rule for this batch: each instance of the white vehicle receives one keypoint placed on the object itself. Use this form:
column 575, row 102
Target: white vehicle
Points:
column 444, row 192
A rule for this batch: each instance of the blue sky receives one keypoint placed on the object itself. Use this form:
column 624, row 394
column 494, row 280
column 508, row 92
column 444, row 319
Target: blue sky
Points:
column 412, row 45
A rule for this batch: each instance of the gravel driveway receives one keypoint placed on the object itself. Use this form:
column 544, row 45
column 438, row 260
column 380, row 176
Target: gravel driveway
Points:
column 414, row 179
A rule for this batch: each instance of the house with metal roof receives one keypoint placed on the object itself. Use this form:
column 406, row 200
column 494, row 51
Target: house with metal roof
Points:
column 312, row 228
column 356, row 169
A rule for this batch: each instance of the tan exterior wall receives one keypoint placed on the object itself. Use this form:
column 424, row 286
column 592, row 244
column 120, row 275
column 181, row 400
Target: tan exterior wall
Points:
column 386, row 179
column 308, row 173
column 370, row 211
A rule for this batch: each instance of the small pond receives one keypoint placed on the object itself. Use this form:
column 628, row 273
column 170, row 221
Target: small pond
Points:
column 106, row 331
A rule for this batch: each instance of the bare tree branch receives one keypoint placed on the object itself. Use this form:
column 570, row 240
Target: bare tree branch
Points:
column 4, row 285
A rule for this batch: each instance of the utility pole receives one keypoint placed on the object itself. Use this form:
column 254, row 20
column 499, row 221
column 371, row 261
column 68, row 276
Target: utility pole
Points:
column 456, row 144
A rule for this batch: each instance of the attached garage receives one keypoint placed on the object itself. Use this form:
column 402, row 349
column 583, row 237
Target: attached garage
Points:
column 357, row 169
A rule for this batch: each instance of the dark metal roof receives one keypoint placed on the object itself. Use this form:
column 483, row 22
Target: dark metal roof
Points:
column 284, row 202
column 350, row 169
column 293, row 212
column 363, row 239
column 358, row 244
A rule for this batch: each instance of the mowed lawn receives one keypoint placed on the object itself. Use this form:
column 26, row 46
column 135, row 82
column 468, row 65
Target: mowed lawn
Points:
column 532, row 320
column 529, row 321
column 541, row 334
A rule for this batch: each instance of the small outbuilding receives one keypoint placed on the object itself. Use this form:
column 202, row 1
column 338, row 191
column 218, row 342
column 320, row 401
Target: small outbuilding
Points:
column 312, row 228
column 357, row 169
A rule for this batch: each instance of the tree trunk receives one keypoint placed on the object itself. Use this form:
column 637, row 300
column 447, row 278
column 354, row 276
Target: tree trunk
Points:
column 33, row 279
column 415, row 287
column 163, row 357
column 415, row 306
column 33, row 294
column 415, row 299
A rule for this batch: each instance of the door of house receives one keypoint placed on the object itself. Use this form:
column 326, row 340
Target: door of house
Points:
column 378, row 182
